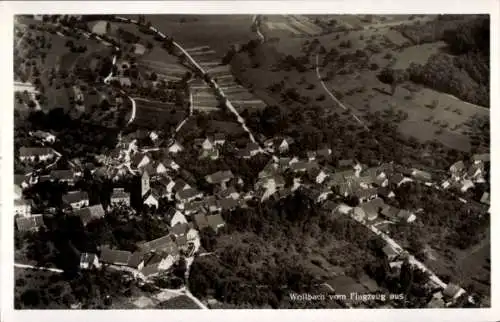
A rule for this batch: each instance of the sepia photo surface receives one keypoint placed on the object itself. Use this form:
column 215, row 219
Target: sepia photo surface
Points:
column 298, row 161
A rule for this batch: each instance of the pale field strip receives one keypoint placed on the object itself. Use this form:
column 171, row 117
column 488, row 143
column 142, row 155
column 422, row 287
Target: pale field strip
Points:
column 301, row 26
column 307, row 22
column 199, row 48
column 282, row 26
column 163, row 65
column 199, row 53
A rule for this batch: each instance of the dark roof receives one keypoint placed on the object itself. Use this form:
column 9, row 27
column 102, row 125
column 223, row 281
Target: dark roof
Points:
column 150, row 270
column 201, row 221
column 188, row 193
column 396, row 178
column 180, row 229
column 390, row 212
column 164, row 243
column 34, row 151
column 135, row 259
column 113, row 256
column 219, row 176
column 384, row 192
column 89, row 214
column 219, row 136
column 345, row 163
column 179, row 185
column 62, row 174
column 29, row 223
column 457, row 166
column 75, row 196
column 485, row 157
column 119, row 193
column 227, row 192
column 451, row 290
column 404, row 214
column 227, row 203
column 372, row 207
column 215, row 220
column 485, row 198
column 365, row 193
column 181, row 240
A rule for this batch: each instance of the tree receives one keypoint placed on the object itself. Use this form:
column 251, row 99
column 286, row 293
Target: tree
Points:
column 180, row 268
column 406, row 276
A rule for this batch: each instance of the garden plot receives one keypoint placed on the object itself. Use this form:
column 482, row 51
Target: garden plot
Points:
column 165, row 71
column 152, row 114
column 204, row 98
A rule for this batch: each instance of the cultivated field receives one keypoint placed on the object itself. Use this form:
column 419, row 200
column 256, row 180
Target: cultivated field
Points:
column 152, row 114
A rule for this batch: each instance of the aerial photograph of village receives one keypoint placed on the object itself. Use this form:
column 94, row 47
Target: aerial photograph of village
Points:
column 182, row 161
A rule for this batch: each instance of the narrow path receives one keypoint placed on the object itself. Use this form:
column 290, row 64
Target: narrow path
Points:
column 333, row 96
column 55, row 270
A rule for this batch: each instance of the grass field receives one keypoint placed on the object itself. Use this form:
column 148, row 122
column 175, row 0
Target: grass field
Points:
column 181, row 302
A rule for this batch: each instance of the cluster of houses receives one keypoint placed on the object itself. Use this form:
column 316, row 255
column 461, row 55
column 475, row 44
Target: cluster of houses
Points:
column 464, row 176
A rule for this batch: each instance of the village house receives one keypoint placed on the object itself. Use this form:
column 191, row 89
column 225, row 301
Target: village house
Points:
column 406, row 216
column 136, row 260
column 22, row 181
column 114, row 257
column 63, row 176
column 251, row 150
column 481, row 158
column 120, row 197
column 364, row 195
column 44, row 136
column 227, row 204
column 177, row 218
column 345, row 164
column 219, row 139
column 372, row 208
column 385, row 193
column 219, row 177
column 180, row 229
column 302, row 166
column 22, row 207
column 421, row 175
column 31, row 154
column 163, row 244
column 145, row 183
column 284, row 144
column 152, row 199
column 176, row 147
column 452, row 292
column 396, row 179
column 89, row 214
column 140, row 160
column 76, row 199
column 212, row 154
column 358, row 214
column 457, row 168
column 485, row 198
column 31, row 223
column 200, row 221
column 215, row 222
column 180, row 185
column 188, row 195
column 390, row 212
column 194, row 207
column 229, row 193
column 89, row 261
